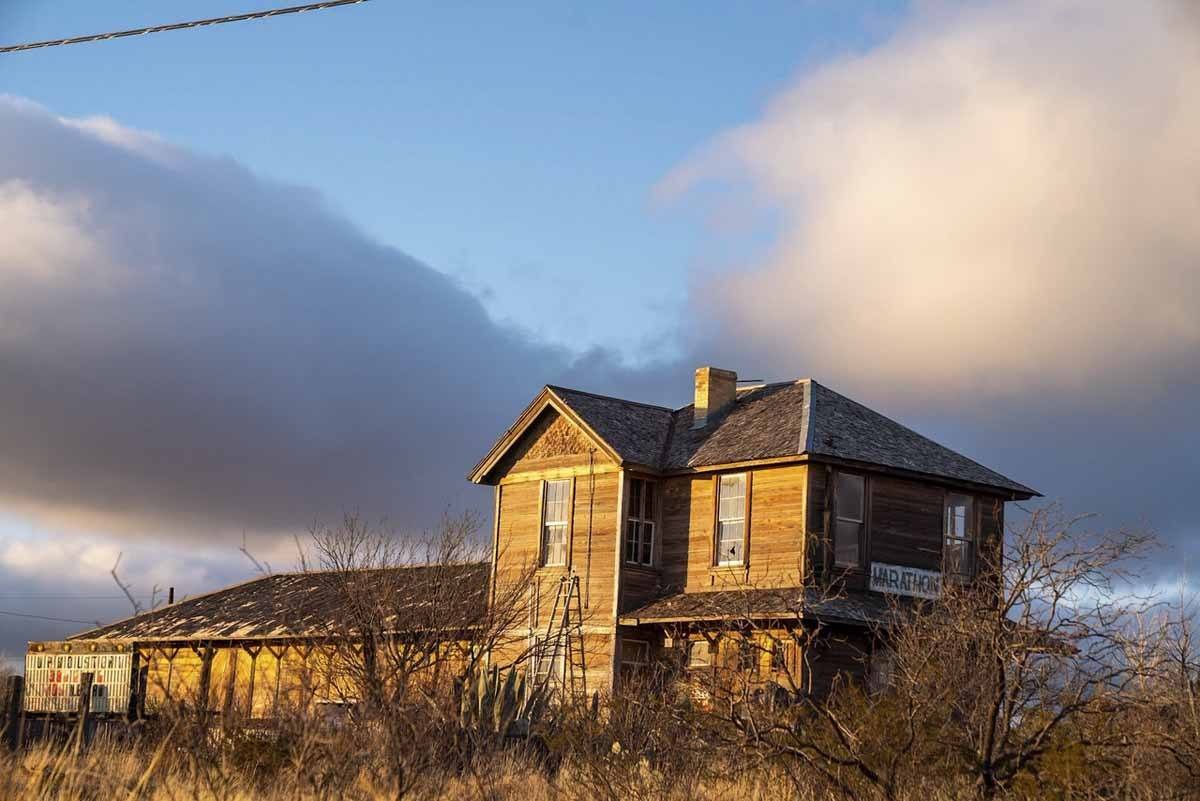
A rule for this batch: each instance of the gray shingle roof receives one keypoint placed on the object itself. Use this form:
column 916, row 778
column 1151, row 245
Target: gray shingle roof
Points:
column 844, row 429
column 774, row 420
column 314, row 604
column 637, row 431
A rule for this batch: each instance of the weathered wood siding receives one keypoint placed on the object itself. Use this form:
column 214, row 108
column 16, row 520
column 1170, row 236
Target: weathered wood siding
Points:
column 904, row 522
column 554, row 448
column 775, row 508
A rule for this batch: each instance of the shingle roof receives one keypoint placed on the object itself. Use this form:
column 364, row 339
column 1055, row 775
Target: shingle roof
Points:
column 774, row 420
column 794, row 603
column 313, row 604
column 764, row 423
column 637, row 431
column 844, row 429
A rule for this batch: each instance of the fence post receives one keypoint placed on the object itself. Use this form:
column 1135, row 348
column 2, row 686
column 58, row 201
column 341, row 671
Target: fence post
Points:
column 13, row 712
column 85, row 707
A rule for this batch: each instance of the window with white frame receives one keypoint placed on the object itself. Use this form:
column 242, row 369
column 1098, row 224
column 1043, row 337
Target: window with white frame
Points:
column 958, row 553
column 639, row 522
column 850, row 502
column 556, row 503
column 731, row 519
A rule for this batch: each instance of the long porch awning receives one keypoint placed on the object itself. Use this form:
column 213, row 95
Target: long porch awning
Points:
column 787, row 603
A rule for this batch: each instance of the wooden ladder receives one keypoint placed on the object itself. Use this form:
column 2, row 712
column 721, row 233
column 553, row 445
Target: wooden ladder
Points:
column 564, row 635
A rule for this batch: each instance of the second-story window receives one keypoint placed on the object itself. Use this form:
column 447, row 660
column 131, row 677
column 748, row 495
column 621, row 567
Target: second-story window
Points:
column 731, row 519
column 850, row 503
column 556, row 503
column 639, row 523
column 958, row 554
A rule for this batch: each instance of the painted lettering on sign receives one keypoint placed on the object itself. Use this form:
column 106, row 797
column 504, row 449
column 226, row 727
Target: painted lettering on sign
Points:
column 53, row 676
column 900, row 580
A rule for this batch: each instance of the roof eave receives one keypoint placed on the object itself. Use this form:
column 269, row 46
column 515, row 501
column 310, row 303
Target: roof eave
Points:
column 1025, row 493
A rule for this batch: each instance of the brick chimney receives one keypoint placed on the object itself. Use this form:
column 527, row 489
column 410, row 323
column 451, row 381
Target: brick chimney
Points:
column 716, row 390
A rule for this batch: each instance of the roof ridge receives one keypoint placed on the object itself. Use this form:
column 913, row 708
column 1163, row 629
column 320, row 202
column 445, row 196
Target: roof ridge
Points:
column 558, row 387
column 810, row 404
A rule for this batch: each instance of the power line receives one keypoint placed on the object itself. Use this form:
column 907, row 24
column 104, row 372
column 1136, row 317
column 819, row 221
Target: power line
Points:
column 179, row 26
column 67, row 597
column 54, row 619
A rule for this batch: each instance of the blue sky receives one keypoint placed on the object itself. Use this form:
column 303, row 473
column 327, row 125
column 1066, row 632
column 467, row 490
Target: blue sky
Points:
column 358, row 241
column 515, row 147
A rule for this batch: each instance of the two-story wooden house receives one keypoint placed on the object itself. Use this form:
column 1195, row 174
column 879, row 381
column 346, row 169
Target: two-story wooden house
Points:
column 749, row 503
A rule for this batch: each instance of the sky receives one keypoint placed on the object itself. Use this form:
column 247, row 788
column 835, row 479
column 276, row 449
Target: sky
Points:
column 257, row 275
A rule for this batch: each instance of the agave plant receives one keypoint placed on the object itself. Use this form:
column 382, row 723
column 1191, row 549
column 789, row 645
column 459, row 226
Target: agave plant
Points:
column 500, row 704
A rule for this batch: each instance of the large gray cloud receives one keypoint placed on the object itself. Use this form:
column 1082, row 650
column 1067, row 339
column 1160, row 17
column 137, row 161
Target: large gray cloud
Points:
column 188, row 348
column 987, row 225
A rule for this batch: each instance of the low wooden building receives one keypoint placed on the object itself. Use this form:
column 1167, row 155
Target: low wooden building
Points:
column 273, row 643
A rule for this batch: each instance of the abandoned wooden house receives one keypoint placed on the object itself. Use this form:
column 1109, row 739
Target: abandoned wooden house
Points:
column 639, row 535
column 682, row 533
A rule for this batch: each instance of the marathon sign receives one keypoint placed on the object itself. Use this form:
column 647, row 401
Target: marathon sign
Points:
column 910, row 581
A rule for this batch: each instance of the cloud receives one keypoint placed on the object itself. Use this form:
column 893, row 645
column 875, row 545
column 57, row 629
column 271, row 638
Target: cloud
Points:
column 985, row 226
column 1000, row 200
column 190, row 350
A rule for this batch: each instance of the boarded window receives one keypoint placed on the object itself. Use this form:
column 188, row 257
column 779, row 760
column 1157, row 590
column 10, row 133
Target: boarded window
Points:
column 731, row 519
column 958, row 554
column 556, row 503
column 639, row 522
column 851, row 512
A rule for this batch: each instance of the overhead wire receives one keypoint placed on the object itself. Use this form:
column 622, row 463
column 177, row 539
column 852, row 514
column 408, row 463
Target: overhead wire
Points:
column 179, row 26
column 46, row 617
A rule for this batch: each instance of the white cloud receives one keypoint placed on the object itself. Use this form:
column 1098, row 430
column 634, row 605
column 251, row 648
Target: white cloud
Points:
column 1002, row 199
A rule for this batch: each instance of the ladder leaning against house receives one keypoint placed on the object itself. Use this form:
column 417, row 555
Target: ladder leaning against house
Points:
column 562, row 646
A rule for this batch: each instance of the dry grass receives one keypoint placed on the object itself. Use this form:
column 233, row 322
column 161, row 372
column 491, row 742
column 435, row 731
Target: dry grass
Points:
column 163, row 771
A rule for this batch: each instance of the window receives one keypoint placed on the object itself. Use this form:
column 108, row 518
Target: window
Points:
column 699, row 654
column 731, row 519
column 747, row 658
column 556, row 502
column 639, row 523
column 850, row 502
column 958, row 554
column 780, row 663
column 635, row 656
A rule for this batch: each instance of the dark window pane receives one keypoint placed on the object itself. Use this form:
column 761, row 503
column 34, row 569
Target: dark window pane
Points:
column 647, row 543
column 648, row 506
column 635, row 497
column 850, row 497
column 845, row 542
column 631, row 540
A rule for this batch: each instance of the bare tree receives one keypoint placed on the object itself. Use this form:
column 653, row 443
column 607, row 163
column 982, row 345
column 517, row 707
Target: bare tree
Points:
column 985, row 684
column 417, row 619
